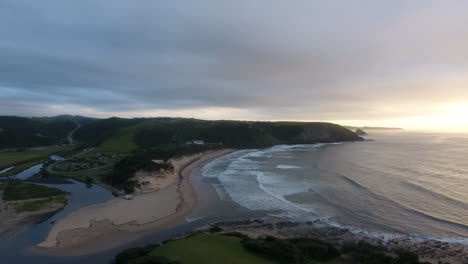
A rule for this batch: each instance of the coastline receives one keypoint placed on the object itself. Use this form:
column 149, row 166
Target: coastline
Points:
column 114, row 223
column 429, row 250
column 105, row 234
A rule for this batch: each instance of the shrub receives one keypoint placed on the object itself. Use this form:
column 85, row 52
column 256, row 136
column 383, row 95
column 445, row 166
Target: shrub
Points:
column 133, row 253
column 215, row 229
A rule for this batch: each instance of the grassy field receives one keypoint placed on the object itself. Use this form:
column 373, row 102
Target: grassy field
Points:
column 15, row 191
column 208, row 249
column 12, row 158
column 39, row 204
column 121, row 142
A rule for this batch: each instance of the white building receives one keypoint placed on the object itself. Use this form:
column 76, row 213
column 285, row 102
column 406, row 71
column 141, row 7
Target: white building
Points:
column 195, row 142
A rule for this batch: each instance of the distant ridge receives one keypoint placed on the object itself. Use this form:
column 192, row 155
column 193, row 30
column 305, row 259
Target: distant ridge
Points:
column 354, row 128
column 156, row 132
column 77, row 118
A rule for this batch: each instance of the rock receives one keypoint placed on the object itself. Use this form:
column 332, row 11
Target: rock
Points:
column 361, row 132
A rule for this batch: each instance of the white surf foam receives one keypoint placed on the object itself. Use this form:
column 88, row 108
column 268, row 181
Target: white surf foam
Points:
column 287, row 167
column 453, row 240
column 244, row 179
column 214, row 168
column 269, row 184
column 221, row 191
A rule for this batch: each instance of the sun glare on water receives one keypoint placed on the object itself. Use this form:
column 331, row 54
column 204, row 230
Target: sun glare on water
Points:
column 453, row 117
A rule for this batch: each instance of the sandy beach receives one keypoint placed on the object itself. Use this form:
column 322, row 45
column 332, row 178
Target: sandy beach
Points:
column 163, row 203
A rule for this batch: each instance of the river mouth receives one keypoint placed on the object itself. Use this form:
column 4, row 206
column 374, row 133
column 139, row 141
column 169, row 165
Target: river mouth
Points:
column 17, row 248
column 23, row 244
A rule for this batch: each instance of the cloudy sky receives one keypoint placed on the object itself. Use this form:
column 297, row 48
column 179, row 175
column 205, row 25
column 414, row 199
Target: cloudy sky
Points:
column 388, row 63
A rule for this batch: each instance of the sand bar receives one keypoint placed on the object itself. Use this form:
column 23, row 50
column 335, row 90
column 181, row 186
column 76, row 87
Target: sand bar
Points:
column 91, row 228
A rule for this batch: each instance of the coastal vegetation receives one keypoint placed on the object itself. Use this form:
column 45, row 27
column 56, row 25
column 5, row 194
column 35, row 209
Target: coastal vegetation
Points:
column 240, row 134
column 26, row 197
column 231, row 248
column 124, row 170
column 39, row 204
column 17, row 190
column 197, row 249
column 153, row 132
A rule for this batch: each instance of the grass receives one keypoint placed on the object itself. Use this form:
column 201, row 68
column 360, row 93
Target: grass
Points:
column 81, row 175
column 39, row 204
column 121, row 142
column 16, row 191
column 15, row 158
column 208, row 249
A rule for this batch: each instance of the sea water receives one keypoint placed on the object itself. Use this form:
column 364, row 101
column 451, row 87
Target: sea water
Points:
column 401, row 183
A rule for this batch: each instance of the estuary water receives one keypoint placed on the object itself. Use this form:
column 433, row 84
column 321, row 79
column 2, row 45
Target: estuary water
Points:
column 401, row 183
column 18, row 248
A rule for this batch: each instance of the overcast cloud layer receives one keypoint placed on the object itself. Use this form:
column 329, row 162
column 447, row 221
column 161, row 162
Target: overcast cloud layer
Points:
column 301, row 60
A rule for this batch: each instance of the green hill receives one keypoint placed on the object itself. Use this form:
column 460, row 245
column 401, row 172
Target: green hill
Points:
column 122, row 141
column 208, row 249
column 98, row 131
column 120, row 135
column 125, row 135
column 18, row 132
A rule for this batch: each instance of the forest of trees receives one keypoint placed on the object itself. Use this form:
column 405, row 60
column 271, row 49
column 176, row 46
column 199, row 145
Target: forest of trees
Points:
column 28, row 132
column 154, row 132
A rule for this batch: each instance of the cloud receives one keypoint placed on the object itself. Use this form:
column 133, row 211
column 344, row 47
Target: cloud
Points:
column 308, row 60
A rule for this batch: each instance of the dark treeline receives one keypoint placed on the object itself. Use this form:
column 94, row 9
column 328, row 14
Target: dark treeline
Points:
column 124, row 170
column 141, row 255
column 306, row 250
column 16, row 132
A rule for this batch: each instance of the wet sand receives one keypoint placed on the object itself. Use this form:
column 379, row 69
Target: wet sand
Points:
column 116, row 222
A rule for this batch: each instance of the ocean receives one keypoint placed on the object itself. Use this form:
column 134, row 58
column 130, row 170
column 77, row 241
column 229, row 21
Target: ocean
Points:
column 401, row 183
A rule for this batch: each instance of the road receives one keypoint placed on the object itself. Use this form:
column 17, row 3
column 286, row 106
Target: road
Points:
column 70, row 136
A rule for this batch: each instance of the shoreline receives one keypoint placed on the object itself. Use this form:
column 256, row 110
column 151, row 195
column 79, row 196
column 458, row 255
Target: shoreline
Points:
column 115, row 235
column 116, row 222
column 429, row 250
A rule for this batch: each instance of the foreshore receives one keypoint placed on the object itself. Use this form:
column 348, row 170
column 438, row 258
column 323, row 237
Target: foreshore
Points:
column 428, row 250
column 117, row 221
